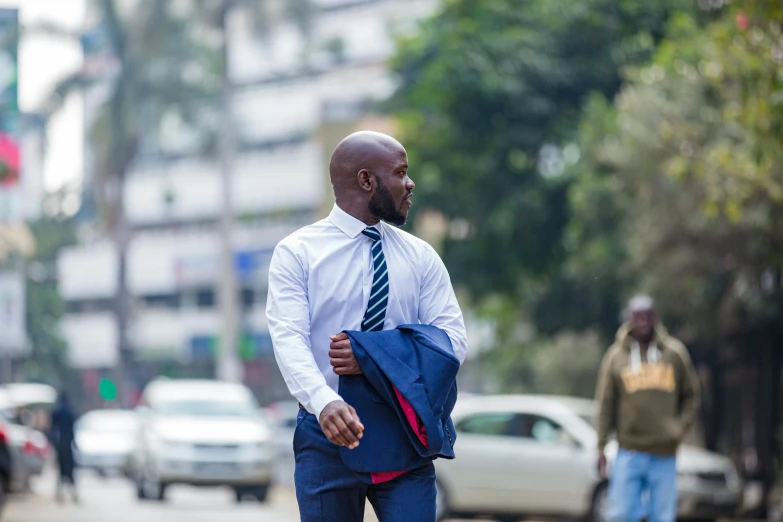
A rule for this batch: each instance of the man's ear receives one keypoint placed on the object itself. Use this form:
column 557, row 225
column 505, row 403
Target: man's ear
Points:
column 364, row 177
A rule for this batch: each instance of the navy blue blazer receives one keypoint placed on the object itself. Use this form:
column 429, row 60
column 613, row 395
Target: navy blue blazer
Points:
column 419, row 361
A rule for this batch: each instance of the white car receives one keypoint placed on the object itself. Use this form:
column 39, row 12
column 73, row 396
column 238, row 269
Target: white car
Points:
column 105, row 440
column 202, row 433
column 283, row 414
column 524, row 456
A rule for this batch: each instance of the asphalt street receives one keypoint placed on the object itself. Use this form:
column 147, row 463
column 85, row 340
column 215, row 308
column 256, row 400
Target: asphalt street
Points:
column 114, row 500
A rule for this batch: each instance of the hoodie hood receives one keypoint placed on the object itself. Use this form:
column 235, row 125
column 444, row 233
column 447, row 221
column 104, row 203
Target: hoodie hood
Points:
column 623, row 337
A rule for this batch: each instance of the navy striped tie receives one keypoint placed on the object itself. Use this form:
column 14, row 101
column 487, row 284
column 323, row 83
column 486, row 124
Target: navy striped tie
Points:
column 379, row 295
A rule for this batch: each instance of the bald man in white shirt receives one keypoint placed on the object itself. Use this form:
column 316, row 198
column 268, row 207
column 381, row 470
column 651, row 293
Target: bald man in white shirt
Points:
column 332, row 276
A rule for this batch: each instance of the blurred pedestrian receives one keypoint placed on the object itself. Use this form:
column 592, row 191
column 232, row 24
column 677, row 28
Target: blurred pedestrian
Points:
column 62, row 437
column 21, row 416
column 353, row 271
column 648, row 393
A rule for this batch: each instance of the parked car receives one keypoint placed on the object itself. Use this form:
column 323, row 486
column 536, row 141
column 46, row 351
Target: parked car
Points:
column 105, row 440
column 23, row 450
column 202, row 433
column 524, row 456
column 283, row 415
column 31, row 448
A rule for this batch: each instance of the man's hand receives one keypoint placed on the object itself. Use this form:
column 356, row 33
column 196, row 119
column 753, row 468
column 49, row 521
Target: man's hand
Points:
column 341, row 424
column 341, row 355
column 602, row 468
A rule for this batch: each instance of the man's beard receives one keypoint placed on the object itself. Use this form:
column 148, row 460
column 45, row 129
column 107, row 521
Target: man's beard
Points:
column 382, row 206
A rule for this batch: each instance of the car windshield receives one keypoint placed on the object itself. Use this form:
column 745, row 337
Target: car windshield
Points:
column 107, row 423
column 588, row 418
column 207, row 408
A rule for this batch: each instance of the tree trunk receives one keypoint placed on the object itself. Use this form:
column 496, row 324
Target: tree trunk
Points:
column 228, row 366
column 122, row 305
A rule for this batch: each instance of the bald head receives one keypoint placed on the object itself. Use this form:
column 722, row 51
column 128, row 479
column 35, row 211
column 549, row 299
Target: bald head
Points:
column 361, row 150
column 369, row 173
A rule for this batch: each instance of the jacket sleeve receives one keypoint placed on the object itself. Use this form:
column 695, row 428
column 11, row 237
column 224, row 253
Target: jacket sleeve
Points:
column 606, row 397
column 690, row 392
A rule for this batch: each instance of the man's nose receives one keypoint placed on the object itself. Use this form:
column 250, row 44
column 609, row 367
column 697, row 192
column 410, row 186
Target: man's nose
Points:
column 410, row 185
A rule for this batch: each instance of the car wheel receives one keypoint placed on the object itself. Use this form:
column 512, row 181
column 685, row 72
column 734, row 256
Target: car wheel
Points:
column 141, row 493
column 261, row 492
column 161, row 493
column 441, row 502
column 599, row 508
column 3, row 494
column 147, row 488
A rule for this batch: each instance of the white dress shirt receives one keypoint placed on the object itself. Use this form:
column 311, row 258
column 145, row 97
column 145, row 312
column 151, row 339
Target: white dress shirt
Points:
column 319, row 285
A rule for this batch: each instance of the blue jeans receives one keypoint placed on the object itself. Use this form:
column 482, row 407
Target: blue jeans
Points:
column 634, row 474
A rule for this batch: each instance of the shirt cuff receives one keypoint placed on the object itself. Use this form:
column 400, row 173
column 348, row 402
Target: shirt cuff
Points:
column 319, row 401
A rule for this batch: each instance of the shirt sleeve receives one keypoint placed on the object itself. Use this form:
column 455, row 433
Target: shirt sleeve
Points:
column 288, row 315
column 438, row 304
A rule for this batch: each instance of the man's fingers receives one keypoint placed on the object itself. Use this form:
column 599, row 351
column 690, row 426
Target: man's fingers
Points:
column 339, row 337
column 333, row 433
column 341, row 434
column 341, row 354
column 351, row 419
column 347, row 370
column 356, row 427
column 342, row 362
column 347, row 433
column 340, row 345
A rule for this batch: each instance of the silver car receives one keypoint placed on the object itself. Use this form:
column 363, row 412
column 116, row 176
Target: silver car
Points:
column 105, row 440
column 523, row 456
column 202, row 433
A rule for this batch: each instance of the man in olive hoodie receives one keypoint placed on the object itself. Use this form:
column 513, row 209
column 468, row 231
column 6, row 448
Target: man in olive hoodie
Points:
column 648, row 394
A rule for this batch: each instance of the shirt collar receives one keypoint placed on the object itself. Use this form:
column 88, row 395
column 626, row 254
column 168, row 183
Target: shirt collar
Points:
column 351, row 226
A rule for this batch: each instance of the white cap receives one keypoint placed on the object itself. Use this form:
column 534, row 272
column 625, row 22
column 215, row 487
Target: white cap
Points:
column 641, row 303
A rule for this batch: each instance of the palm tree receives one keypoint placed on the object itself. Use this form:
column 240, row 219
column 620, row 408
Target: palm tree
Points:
column 160, row 69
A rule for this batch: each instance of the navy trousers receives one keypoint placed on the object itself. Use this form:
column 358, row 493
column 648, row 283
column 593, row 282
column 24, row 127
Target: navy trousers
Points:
column 327, row 491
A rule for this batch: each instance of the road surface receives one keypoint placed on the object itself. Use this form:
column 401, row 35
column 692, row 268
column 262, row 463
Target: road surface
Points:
column 114, row 500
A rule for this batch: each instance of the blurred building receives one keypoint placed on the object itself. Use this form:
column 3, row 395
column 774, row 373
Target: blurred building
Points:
column 296, row 95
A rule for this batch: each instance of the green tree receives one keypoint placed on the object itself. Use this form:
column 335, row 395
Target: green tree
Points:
column 491, row 102
column 490, row 94
column 696, row 149
column 45, row 308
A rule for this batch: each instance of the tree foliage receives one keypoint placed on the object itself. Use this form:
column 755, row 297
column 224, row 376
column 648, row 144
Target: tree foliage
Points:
column 490, row 94
column 698, row 152
column 45, row 307
column 595, row 149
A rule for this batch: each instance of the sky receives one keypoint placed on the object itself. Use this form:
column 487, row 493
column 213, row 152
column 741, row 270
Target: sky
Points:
column 43, row 60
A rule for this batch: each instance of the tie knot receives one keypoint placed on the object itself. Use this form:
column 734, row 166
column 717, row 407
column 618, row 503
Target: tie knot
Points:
column 372, row 233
